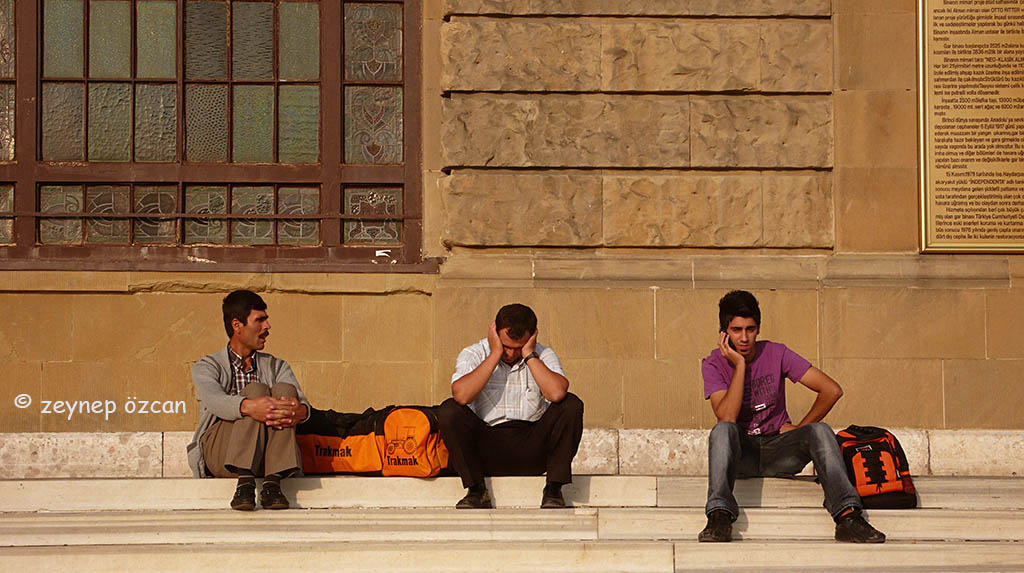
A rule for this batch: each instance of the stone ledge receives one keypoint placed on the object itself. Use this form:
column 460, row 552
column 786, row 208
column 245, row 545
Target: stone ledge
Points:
column 821, row 8
column 928, row 271
column 173, row 282
column 653, row 452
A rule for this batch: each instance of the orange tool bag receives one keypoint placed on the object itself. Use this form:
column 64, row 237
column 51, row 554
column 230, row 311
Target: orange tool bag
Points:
column 393, row 441
column 877, row 467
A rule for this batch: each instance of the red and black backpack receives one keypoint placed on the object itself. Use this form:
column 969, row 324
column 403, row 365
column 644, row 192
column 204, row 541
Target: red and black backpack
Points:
column 877, row 467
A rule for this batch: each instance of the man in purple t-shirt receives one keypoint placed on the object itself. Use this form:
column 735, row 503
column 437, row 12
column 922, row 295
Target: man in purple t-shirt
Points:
column 745, row 380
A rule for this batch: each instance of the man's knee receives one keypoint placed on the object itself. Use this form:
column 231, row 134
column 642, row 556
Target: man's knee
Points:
column 822, row 432
column 571, row 405
column 255, row 390
column 725, row 430
column 449, row 411
column 284, row 390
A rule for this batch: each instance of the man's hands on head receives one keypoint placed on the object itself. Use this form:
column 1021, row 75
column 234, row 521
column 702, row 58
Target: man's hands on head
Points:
column 531, row 344
column 493, row 340
column 275, row 412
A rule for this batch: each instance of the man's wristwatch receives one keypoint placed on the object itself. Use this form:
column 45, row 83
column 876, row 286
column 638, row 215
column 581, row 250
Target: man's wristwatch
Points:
column 529, row 356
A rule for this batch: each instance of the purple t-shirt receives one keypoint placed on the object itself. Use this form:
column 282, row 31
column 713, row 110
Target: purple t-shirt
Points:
column 763, row 410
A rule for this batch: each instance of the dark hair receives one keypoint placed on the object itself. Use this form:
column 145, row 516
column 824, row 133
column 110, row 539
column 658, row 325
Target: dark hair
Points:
column 238, row 305
column 519, row 319
column 738, row 303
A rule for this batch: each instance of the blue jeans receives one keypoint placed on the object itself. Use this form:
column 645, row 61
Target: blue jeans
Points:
column 732, row 454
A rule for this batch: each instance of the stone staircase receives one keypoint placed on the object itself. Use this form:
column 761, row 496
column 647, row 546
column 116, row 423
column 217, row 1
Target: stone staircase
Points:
column 618, row 523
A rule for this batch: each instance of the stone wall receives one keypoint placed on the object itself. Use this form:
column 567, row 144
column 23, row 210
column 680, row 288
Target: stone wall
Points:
column 618, row 165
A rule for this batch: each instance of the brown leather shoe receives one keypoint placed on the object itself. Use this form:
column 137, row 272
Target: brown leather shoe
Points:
column 552, row 497
column 718, row 529
column 853, row 528
column 479, row 499
column 245, row 497
column 271, row 497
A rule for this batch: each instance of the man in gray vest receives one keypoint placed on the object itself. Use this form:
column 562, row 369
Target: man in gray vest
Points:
column 249, row 405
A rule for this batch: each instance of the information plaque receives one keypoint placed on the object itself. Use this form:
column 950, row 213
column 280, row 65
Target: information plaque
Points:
column 971, row 68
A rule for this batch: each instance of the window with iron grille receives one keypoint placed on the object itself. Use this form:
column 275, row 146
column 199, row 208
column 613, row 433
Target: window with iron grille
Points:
column 276, row 135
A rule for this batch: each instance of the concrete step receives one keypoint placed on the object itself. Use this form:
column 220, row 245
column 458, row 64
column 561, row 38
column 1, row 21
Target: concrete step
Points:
column 590, row 556
column 831, row 556
column 581, row 524
column 933, row 492
column 327, row 492
column 586, row 491
column 380, row 556
column 813, row 524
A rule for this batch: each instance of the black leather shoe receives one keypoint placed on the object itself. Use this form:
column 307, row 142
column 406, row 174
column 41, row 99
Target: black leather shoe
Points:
column 552, row 497
column 718, row 529
column 479, row 499
column 271, row 496
column 853, row 528
column 245, row 497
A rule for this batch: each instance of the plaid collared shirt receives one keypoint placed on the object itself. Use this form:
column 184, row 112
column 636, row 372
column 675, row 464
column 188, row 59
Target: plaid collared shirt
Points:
column 511, row 392
column 239, row 375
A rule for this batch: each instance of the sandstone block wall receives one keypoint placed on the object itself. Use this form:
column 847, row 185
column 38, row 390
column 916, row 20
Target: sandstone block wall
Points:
column 618, row 165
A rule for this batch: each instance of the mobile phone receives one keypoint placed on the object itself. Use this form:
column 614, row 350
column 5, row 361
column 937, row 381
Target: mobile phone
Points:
column 728, row 340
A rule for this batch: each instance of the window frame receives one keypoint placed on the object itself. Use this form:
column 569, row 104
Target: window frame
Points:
column 28, row 172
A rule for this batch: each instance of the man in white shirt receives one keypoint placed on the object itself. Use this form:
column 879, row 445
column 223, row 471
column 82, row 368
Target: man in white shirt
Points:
column 511, row 412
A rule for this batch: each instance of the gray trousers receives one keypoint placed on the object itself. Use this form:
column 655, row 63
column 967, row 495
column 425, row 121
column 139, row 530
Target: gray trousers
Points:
column 733, row 454
column 251, row 447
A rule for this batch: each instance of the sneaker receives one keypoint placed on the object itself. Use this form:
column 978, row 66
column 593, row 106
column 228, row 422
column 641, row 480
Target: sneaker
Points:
column 271, row 496
column 552, row 497
column 853, row 528
column 245, row 497
column 476, row 499
column 718, row 529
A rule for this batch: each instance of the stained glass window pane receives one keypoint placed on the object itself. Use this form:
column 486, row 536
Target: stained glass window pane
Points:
column 206, row 27
column 206, row 199
column 156, row 122
column 206, row 123
column 383, row 201
column 373, row 42
column 6, row 122
column 155, row 200
column 253, row 121
column 6, row 206
column 109, row 121
column 107, row 199
column 252, row 40
column 298, row 201
column 60, row 199
column 155, row 37
column 252, row 201
column 109, row 39
column 300, row 40
column 299, row 129
column 373, row 125
column 62, row 122
column 6, row 38
column 62, row 38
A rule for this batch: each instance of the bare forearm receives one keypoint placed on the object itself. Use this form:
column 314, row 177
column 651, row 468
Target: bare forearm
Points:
column 822, row 406
column 466, row 389
column 729, row 408
column 552, row 385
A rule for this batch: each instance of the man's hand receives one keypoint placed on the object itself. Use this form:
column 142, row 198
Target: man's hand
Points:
column 734, row 358
column 531, row 344
column 258, row 408
column 286, row 413
column 786, row 428
column 494, row 341
column 274, row 412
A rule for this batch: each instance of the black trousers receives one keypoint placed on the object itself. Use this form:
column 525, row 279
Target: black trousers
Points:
column 515, row 448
